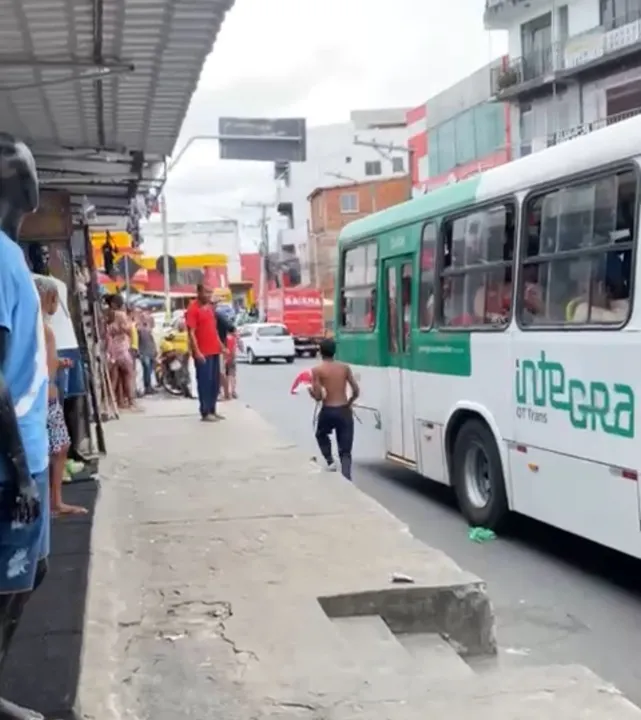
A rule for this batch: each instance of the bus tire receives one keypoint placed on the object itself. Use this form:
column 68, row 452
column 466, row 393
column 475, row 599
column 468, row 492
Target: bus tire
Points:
column 478, row 477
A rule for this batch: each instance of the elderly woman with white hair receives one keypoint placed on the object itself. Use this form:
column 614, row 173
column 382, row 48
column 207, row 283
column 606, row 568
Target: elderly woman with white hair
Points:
column 56, row 427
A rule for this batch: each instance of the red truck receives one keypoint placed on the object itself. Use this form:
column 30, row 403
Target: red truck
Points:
column 301, row 311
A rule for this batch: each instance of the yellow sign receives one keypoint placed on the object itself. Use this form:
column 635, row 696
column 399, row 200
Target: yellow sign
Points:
column 223, row 294
column 119, row 238
column 187, row 262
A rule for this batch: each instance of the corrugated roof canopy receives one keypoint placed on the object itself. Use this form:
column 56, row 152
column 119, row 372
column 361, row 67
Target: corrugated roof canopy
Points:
column 99, row 88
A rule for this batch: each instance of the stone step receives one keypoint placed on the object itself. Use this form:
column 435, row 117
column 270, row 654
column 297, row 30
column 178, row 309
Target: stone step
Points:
column 567, row 692
column 372, row 646
column 433, row 658
column 416, row 661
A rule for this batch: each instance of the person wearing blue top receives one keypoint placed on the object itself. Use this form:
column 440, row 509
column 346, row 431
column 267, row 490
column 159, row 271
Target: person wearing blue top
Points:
column 24, row 447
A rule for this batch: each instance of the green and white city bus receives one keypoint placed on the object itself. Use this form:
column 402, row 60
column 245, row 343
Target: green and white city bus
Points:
column 495, row 328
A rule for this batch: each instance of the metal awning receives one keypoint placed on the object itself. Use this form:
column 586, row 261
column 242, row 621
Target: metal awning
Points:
column 99, row 88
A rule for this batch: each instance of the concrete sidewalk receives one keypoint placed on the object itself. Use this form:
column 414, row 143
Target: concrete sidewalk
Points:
column 233, row 578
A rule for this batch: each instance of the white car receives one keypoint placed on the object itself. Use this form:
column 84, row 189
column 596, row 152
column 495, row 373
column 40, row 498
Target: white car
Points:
column 265, row 341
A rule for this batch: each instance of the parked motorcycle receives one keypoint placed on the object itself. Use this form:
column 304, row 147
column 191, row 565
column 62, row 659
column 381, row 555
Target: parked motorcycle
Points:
column 172, row 373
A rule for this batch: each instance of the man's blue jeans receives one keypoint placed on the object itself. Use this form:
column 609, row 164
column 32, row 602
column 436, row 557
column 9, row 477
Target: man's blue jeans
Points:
column 147, row 371
column 208, row 381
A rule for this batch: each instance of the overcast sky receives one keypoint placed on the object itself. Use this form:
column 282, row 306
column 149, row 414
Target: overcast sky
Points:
column 317, row 59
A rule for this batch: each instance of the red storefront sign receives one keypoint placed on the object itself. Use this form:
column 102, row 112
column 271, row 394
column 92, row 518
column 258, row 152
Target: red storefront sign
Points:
column 301, row 300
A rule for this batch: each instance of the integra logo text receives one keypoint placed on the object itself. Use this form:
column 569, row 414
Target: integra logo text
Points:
column 542, row 385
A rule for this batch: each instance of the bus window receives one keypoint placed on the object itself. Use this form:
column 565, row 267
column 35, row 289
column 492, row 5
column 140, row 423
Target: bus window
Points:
column 392, row 312
column 476, row 279
column 426, row 294
column 592, row 224
column 358, row 287
column 406, row 299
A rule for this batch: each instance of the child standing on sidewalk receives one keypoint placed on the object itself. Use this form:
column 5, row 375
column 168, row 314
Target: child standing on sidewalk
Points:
column 230, row 363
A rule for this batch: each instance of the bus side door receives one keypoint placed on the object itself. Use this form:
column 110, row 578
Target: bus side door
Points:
column 399, row 404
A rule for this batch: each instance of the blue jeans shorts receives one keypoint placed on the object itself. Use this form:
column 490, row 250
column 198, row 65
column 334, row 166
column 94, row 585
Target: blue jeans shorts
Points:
column 22, row 546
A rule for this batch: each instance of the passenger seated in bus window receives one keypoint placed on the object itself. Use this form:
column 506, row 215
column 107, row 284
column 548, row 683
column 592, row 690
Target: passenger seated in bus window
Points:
column 492, row 303
column 370, row 318
column 533, row 305
column 427, row 307
column 427, row 312
column 457, row 300
column 609, row 306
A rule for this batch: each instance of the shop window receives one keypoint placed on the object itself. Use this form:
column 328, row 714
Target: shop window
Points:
column 476, row 279
column 465, row 140
column 358, row 287
column 427, row 287
column 446, row 147
column 489, row 129
column 577, row 259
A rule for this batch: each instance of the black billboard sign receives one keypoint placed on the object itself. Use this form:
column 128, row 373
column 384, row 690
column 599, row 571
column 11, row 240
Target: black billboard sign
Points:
column 263, row 140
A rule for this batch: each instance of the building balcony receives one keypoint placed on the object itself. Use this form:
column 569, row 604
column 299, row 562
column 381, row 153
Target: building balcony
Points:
column 580, row 57
column 529, row 146
column 503, row 14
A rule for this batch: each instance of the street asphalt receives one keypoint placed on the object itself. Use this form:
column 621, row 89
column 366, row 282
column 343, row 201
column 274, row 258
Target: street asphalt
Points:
column 558, row 599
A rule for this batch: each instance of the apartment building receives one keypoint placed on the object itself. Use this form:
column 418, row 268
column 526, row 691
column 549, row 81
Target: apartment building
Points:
column 572, row 66
column 459, row 132
column 334, row 157
column 331, row 208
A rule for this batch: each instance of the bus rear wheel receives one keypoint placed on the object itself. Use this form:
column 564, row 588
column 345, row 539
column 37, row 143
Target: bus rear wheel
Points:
column 478, row 477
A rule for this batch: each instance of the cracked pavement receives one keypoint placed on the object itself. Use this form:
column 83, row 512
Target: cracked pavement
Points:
column 212, row 548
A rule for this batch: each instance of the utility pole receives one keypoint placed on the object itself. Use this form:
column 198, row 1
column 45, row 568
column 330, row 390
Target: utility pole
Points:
column 280, row 180
column 263, row 251
column 314, row 259
column 390, row 147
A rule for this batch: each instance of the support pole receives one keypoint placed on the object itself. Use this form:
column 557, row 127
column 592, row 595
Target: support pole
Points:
column 165, row 254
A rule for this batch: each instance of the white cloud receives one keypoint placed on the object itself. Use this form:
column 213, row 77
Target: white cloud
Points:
column 317, row 59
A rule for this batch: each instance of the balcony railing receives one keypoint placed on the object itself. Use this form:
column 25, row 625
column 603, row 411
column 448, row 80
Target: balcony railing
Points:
column 587, row 128
column 559, row 61
column 529, row 146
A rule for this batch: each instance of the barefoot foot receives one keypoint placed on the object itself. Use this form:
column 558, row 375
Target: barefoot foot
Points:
column 65, row 509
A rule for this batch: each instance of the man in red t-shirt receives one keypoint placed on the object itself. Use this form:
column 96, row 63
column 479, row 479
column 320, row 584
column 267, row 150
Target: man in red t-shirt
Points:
column 206, row 349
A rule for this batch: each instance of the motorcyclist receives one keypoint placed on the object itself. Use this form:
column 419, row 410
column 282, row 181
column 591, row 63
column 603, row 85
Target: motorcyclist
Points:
column 176, row 343
column 176, row 340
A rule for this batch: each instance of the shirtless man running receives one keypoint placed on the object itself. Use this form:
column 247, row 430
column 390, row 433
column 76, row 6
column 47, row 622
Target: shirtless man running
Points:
column 330, row 380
